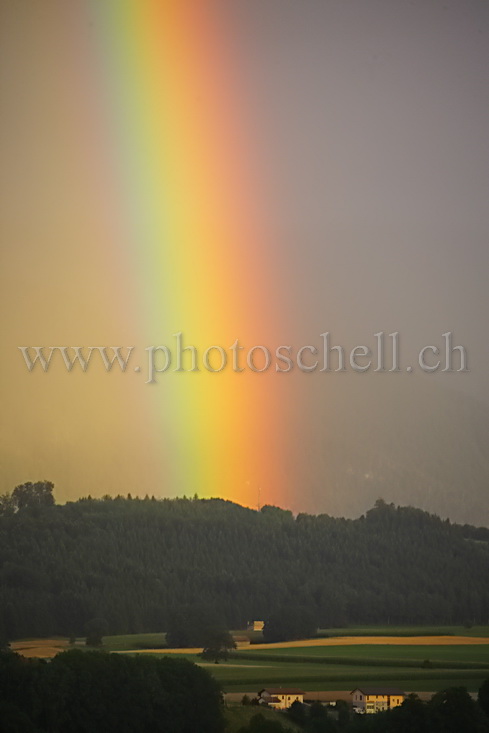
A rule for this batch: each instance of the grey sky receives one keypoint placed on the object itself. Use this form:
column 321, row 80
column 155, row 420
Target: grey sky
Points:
column 372, row 117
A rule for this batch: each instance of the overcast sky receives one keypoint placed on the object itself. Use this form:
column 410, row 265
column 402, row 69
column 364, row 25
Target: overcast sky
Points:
column 371, row 117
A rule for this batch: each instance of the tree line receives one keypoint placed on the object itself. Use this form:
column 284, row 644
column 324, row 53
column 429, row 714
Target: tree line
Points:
column 135, row 563
column 95, row 692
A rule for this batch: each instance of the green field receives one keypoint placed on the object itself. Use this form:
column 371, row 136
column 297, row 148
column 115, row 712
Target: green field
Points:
column 405, row 631
column 248, row 675
column 148, row 641
column 342, row 667
column 341, row 677
column 456, row 656
column 245, row 676
column 127, row 642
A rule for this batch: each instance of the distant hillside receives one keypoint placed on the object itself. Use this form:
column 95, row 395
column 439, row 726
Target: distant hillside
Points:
column 345, row 440
column 133, row 562
column 409, row 440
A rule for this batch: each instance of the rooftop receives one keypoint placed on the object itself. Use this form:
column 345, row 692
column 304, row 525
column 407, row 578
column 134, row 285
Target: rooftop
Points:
column 380, row 690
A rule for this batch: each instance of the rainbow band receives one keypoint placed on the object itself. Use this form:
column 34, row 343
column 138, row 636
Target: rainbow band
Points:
column 185, row 178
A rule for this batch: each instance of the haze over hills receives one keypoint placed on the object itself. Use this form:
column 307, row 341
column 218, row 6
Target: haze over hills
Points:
column 410, row 441
column 351, row 200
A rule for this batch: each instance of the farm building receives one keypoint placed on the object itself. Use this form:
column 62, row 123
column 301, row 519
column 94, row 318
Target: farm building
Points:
column 280, row 698
column 374, row 699
column 256, row 625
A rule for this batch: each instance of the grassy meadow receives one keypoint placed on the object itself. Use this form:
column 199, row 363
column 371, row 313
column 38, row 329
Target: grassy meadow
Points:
column 406, row 631
column 447, row 656
column 413, row 658
column 470, row 656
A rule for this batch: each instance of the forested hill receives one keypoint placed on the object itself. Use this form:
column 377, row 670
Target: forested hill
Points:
column 133, row 562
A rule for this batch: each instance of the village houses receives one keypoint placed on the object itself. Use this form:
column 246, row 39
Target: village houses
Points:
column 375, row 699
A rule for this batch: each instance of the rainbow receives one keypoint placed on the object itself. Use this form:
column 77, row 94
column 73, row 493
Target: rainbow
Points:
column 180, row 172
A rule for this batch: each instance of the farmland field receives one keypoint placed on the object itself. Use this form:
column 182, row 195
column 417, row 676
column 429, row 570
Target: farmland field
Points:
column 354, row 659
column 240, row 674
column 456, row 656
column 40, row 648
column 134, row 641
column 340, row 677
column 406, row 631
column 437, row 653
column 459, row 652
column 437, row 640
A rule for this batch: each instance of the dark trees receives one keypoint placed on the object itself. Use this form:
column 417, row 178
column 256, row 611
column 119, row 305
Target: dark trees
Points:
column 94, row 692
column 217, row 646
column 96, row 629
column 297, row 713
column 453, row 710
column 137, row 563
column 33, row 495
column 449, row 711
column 260, row 724
column 483, row 697
column 290, row 622
column 196, row 625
